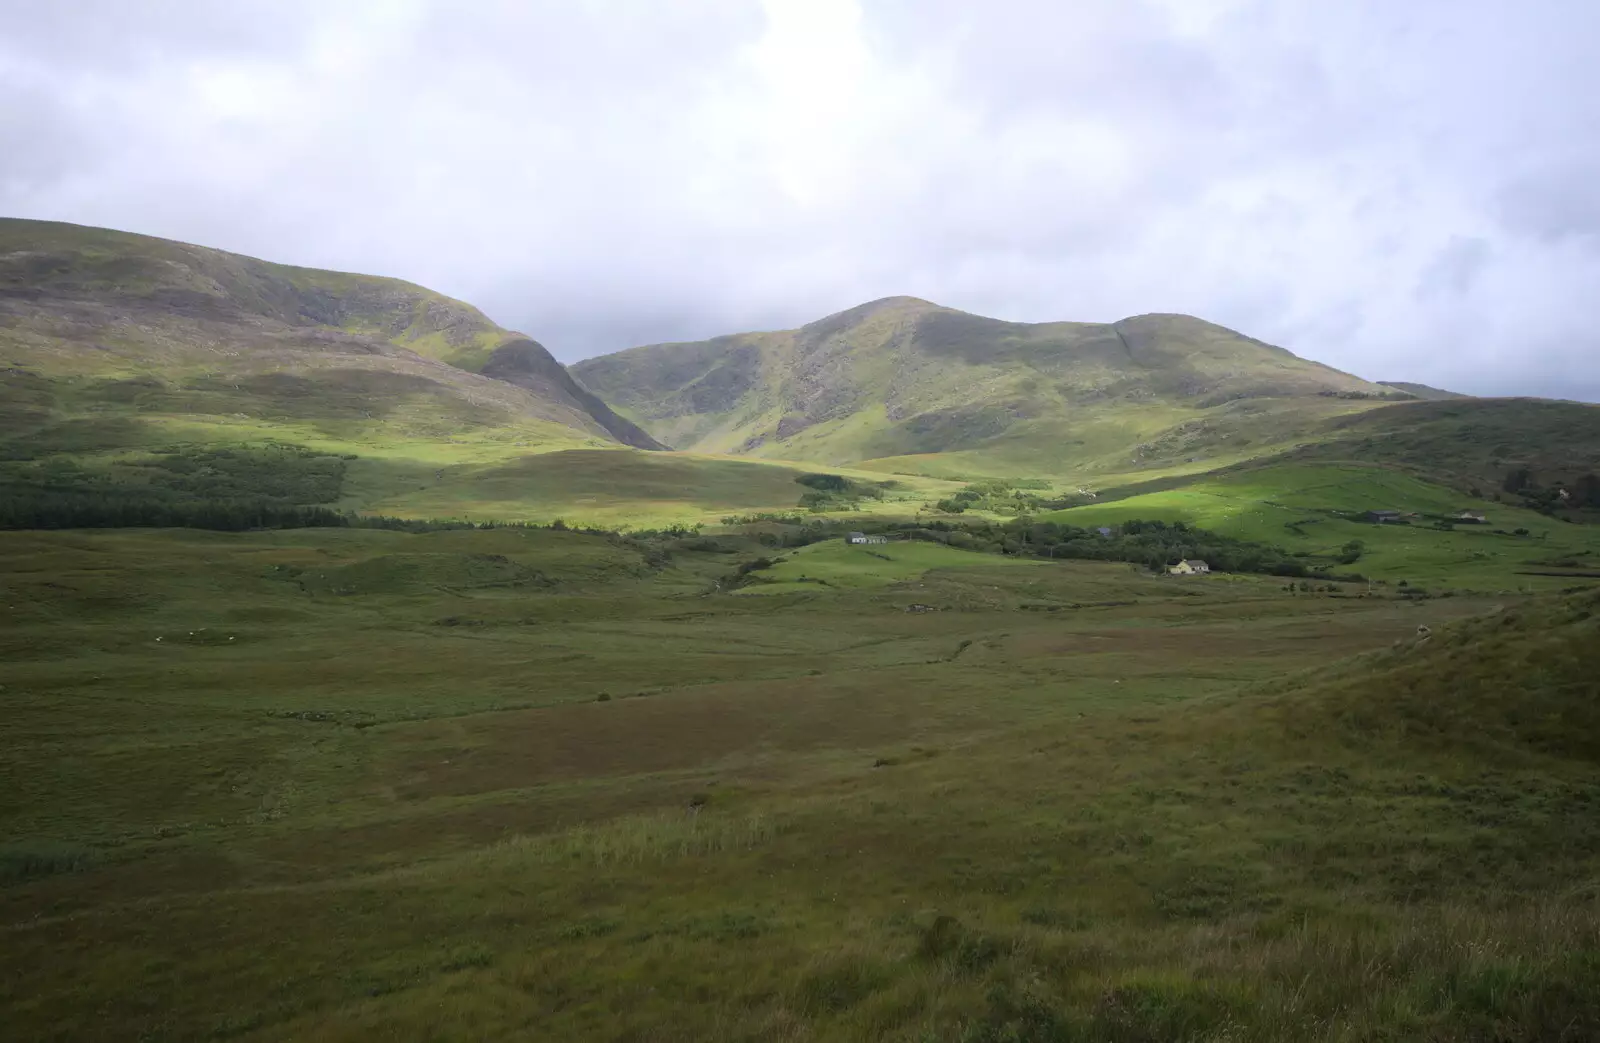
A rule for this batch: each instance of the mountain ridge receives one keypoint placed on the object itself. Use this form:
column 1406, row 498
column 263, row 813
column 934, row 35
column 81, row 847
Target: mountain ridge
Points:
column 903, row 376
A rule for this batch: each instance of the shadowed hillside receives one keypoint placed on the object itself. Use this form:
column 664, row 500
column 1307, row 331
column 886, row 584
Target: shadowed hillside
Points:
column 1471, row 441
column 900, row 378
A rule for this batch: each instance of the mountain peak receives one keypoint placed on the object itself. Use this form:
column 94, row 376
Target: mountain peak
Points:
column 908, row 307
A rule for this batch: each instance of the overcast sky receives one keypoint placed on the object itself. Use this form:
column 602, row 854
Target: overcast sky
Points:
column 1408, row 189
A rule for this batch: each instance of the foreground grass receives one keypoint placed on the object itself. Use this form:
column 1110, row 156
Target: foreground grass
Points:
column 472, row 785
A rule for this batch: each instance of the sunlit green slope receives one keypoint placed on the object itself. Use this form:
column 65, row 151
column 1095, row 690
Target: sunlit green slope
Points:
column 1319, row 509
column 900, row 379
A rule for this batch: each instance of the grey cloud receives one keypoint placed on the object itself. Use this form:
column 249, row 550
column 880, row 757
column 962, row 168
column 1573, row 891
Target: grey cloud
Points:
column 1401, row 190
column 109, row 38
column 1455, row 268
column 40, row 139
column 1558, row 202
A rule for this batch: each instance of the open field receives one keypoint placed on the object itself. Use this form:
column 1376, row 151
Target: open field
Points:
column 840, row 565
column 609, row 488
column 346, row 784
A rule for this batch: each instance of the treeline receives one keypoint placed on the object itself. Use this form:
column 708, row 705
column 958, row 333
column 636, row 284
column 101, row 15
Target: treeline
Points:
column 835, row 492
column 227, row 489
column 119, row 510
column 89, row 511
column 1011, row 496
column 1152, row 544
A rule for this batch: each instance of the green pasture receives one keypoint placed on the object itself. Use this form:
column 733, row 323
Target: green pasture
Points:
column 1317, row 509
column 611, row 488
column 839, row 564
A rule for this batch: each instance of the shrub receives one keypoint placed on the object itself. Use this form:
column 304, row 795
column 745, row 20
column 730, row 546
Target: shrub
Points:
column 825, row 482
column 29, row 861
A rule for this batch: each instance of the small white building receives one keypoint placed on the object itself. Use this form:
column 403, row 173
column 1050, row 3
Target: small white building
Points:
column 1188, row 567
column 861, row 537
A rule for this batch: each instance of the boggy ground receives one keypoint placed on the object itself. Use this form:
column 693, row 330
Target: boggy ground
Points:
column 523, row 784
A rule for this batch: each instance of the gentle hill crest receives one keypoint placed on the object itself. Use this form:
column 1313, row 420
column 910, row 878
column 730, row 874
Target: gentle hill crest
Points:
column 1422, row 391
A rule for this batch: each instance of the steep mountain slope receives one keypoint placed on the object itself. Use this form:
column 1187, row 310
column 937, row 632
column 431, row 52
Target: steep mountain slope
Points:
column 111, row 339
column 897, row 379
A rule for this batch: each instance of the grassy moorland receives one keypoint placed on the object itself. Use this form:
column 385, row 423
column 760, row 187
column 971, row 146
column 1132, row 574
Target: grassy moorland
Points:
column 345, row 784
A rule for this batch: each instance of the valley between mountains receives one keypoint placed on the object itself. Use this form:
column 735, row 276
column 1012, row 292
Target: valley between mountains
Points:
column 366, row 673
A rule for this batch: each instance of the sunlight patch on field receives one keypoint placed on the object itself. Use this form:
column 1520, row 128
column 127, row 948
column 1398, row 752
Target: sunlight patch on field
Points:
column 1319, row 509
column 837, row 564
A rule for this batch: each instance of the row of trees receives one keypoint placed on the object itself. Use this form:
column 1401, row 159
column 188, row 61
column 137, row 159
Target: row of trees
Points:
column 1006, row 496
column 114, row 511
column 1154, row 544
column 121, row 509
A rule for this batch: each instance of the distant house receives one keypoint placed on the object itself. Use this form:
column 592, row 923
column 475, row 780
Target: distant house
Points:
column 1188, row 567
column 1383, row 517
column 1471, row 518
column 861, row 537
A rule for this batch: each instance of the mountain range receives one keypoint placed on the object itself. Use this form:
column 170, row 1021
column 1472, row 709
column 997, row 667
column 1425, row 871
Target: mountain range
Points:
column 113, row 343
column 900, row 381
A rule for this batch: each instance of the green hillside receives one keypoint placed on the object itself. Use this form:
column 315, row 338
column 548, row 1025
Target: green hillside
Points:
column 1317, row 510
column 128, row 360
column 898, row 380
